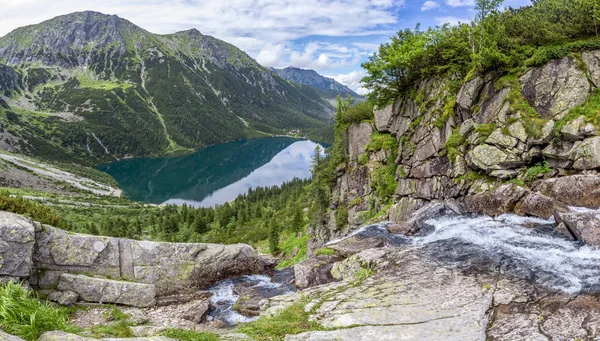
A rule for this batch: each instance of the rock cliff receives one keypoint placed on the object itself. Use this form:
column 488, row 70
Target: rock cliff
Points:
column 523, row 143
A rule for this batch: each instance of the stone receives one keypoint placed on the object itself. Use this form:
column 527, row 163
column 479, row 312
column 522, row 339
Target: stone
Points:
column 587, row 155
column 555, row 88
column 560, row 150
column 418, row 219
column 62, row 336
column 592, row 61
column 197, row 311
column 574, row 190
column 7, row 337
column 354, row 244
column 505, row 174
column 359, row 135
column 546, row 134
column 517, row 130
column 494, row 109
column 499, row 139
column 436, row 166
column 65, row 298
column 501, row 200
column 17, row 238
column 314, row 271
column 589, row 130
column 404, row 208
column 469, row 92
column 489, row 158
column 572, row 130
column 366, row 259
column 585, row 226
column 537, row 205
column 467, row 127
column 384, row 117
column 102, row 290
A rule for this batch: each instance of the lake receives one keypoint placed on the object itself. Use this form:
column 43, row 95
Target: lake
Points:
column 213, row 175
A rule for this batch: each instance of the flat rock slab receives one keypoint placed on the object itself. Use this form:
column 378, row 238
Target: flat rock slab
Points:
column 102, row 290
column 7, row 337
column 412, row 300
column 62, row 336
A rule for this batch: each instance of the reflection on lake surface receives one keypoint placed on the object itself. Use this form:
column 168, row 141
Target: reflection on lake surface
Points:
column 213, row 175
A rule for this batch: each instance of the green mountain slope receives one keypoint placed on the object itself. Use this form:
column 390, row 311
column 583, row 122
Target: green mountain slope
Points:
column 95, row 87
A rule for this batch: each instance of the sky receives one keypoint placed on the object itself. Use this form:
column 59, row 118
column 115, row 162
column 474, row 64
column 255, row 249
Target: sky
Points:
column 332, row 37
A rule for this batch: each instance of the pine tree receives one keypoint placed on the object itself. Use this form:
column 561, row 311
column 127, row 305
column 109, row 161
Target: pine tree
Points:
column 274, row 237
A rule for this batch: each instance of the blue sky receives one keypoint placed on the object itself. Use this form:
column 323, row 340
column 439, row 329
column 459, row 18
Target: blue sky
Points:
column 332, row 37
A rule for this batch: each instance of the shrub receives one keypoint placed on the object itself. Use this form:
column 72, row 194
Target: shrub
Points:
column 325, row 251
column 541, row 168
column 362, row 111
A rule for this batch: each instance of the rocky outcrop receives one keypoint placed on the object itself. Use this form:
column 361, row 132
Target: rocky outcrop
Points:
column 314, row 271
column 140, row 271
column 584, row 226
column 359, row 136
column 90, row 289
column 62, row 336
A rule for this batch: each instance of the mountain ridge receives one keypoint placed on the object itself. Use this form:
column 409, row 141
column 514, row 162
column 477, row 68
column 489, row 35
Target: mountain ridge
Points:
column 316, row 80
column 96, row 87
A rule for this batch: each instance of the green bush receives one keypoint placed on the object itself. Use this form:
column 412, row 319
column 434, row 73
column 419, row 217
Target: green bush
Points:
column 23, row 315
column 341, row 216
column 454, row 143
column 534, row 172
column 361, row 111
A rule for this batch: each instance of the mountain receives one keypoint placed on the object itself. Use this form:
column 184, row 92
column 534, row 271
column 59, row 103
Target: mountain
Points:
column 95, row 87
column 312, row 78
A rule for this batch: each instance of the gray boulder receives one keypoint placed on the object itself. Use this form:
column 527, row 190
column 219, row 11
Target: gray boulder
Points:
column 555, row 88
column 197, row 311
column 489, row 158
column 63, row 297
column 587, row 154
column 7, row 337
column 537, row 205
column 572, row 131
column 585, row 226
column 469, row 93
column 592, row 61
column 17, row 238
column 62, row 336
column 498, row 201
column 102, row 290
column 574, row 190
column 314, row 271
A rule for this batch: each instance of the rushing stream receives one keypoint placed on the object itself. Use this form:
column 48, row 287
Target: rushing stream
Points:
column 527, row 248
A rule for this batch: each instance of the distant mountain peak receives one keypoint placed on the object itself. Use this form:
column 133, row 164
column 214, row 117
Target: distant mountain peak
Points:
column 316, row 80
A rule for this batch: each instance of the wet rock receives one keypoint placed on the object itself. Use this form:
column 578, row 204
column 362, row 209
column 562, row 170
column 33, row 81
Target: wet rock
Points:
column 574, row 190
column 63, row 297
column 17, row 238
column 587, row 154
column 197, row 311
column 7, row 337
column 501, row 200
column 102, row 290
column 555, row 88
column 359, row 136
column 537, row 205
column 314, row 271
column 585, row 226
column 417, row 222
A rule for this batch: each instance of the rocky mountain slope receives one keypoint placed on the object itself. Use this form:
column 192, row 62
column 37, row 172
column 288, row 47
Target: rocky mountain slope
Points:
column 96, row 87
column 312, row 78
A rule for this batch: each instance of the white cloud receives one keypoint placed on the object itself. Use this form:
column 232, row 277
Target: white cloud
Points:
column 451, row 20
column 271, row 55
column 352, row 80
column 429, row 5
column 460, row 3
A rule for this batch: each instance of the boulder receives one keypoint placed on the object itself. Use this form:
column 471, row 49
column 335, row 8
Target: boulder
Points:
column 17, row 238
column 537, row 205
column 417, row 222
column 572, row 131
column 356, row 243
column 366, row 259
column 489, row 158
column 467, row 127
column 555, row 88
column 384, row 117
column 501, row 200
column 436, row 166
column 197, row 311
column 517, row 130
column 546, row 134
column 100, row 290
column 359, row 135
column 7, row 337
column 587, row 154
column 574, row 190
column 585, row 226
column 498, row 138
column 65, row 298
column 404, row 208
column 314, row 271
column 494, row 109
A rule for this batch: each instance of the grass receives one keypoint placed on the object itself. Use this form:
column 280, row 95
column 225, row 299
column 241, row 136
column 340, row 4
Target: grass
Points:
column 454, row 143
column 325, row 251
column 292, row 320
column 590, row 112
column 23, row 315
column 188, row 335
column 288, row 245
column 118, row 329
column 381, row 141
